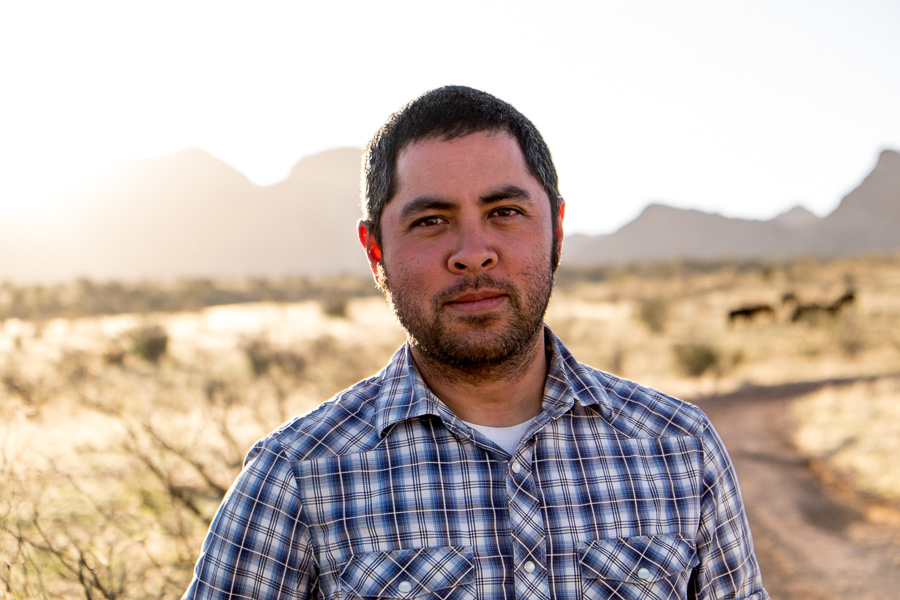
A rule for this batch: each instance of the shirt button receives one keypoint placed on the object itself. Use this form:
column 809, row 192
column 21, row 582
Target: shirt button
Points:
column 529, row 567
column 643, row 574
column 405, row 587
column 516, row 467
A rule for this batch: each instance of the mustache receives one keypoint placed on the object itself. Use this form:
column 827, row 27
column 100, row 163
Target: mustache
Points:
column 475, row 283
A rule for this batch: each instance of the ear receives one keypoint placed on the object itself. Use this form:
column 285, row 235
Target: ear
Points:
column 373, row 250
column 558, row 227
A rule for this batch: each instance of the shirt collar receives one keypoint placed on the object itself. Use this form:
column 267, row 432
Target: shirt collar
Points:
column 404, row 394
column 568, row 380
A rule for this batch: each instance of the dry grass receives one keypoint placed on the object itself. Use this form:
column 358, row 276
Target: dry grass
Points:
column 605, row 324
column 114, row 457
column 855, row 432
column 112, row 464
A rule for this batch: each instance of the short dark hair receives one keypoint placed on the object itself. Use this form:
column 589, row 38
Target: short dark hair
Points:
column 447, row 113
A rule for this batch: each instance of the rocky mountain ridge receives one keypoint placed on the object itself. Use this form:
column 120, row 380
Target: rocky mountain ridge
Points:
column 867, row 221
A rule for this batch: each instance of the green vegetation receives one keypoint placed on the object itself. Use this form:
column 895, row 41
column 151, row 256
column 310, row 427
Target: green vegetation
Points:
column 149, row 342
column 89, row 298
column 653, row 312
column 696, row 358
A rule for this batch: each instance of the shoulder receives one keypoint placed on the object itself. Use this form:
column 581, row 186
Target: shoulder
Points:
column 344, row 424
column 635, row 411
column 640, row 411
column 632, row 409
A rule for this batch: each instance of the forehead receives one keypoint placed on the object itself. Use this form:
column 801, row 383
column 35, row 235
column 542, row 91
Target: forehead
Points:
column 476, row 159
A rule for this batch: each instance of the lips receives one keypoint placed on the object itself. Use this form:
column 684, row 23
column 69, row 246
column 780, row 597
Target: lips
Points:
column 474, row 301
column 476, row 296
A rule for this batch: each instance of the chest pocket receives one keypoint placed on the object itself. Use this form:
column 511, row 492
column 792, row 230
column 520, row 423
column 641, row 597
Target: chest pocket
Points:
column 645, row 567
column 446, row 573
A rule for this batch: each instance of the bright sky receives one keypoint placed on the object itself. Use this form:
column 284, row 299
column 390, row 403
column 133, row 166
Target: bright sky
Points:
column 743, row 108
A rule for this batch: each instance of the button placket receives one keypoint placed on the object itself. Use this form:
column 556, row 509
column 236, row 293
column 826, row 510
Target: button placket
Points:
column 527, row 527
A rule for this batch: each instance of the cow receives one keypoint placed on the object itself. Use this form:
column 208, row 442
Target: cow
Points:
column 750, row 312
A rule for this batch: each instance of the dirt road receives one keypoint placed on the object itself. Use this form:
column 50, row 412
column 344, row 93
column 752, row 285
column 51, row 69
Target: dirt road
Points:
column 815, row 541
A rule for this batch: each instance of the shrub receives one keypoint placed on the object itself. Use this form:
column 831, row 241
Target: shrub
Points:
column 114, row 354
column 259, row 354
column 653, row 312
column 263, row 357
column 334, row 303
column 150, row 342
column 696, row 358
column 851, row 339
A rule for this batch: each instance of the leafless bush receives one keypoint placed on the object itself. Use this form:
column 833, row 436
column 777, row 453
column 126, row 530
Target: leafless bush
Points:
column 62, row 542
column 32, row 391
column 123, row 515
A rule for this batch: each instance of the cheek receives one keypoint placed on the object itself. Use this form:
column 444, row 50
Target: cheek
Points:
column 411, row 262
column 537, row 250
column 405, row 270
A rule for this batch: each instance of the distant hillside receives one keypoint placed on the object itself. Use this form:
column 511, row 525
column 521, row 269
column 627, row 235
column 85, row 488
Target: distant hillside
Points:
column 867, row 221
column 189, row 214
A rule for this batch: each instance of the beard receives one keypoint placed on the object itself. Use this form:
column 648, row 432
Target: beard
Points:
column 478, row 343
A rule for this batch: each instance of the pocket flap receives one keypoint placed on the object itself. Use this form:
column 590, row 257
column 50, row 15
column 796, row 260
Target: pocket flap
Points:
column 641, row 559
column 407, row 573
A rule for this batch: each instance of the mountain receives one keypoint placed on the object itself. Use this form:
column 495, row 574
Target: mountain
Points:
column 188, row 214
column 797, row 218
column 867, row 221
column 868, row 218
column 665, row 232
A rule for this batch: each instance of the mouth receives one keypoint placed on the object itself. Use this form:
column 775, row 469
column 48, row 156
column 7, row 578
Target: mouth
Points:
column 475, row 301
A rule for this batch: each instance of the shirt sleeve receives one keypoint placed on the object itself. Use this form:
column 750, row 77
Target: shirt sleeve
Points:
column 258, row 545
column 728, row 566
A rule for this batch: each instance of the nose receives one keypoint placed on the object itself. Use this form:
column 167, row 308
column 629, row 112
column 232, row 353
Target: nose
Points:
column 473, row 253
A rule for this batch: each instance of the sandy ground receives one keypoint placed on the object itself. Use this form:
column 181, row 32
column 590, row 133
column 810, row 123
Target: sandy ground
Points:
column 815, row 539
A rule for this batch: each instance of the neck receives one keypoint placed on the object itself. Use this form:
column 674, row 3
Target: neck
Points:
column 495, row 395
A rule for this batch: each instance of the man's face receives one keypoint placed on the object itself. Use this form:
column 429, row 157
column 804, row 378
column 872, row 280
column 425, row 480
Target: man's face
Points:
column 467, row 243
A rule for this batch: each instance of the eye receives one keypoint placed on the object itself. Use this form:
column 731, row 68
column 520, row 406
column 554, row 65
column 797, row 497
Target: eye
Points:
column 507, row 211
column 428, row 221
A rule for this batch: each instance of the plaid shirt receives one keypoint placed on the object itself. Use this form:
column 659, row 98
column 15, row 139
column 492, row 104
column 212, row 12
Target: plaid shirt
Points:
column 615, row 491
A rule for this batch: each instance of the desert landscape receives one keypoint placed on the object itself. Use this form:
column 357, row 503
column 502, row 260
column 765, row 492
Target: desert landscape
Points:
column 128, row 407
column 181, row 273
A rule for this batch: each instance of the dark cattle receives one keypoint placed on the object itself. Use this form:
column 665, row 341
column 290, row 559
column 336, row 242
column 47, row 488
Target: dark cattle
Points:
column 849, row 297
column 749, row 313
column 812, row 312
column 789, row 298
column 808, row 312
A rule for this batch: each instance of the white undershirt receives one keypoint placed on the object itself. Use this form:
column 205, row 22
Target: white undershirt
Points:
column 505, row 437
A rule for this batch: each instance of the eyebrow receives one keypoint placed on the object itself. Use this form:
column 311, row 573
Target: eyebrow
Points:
column 423, row 204
column 507, row 192
column 426, row 203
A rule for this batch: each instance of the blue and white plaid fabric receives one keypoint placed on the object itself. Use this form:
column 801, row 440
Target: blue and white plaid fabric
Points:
column 615, row 491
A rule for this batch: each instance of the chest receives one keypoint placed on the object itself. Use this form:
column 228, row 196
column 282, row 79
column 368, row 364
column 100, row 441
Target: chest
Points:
column 571, row 484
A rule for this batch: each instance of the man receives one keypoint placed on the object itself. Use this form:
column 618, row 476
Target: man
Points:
column 484, row 461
